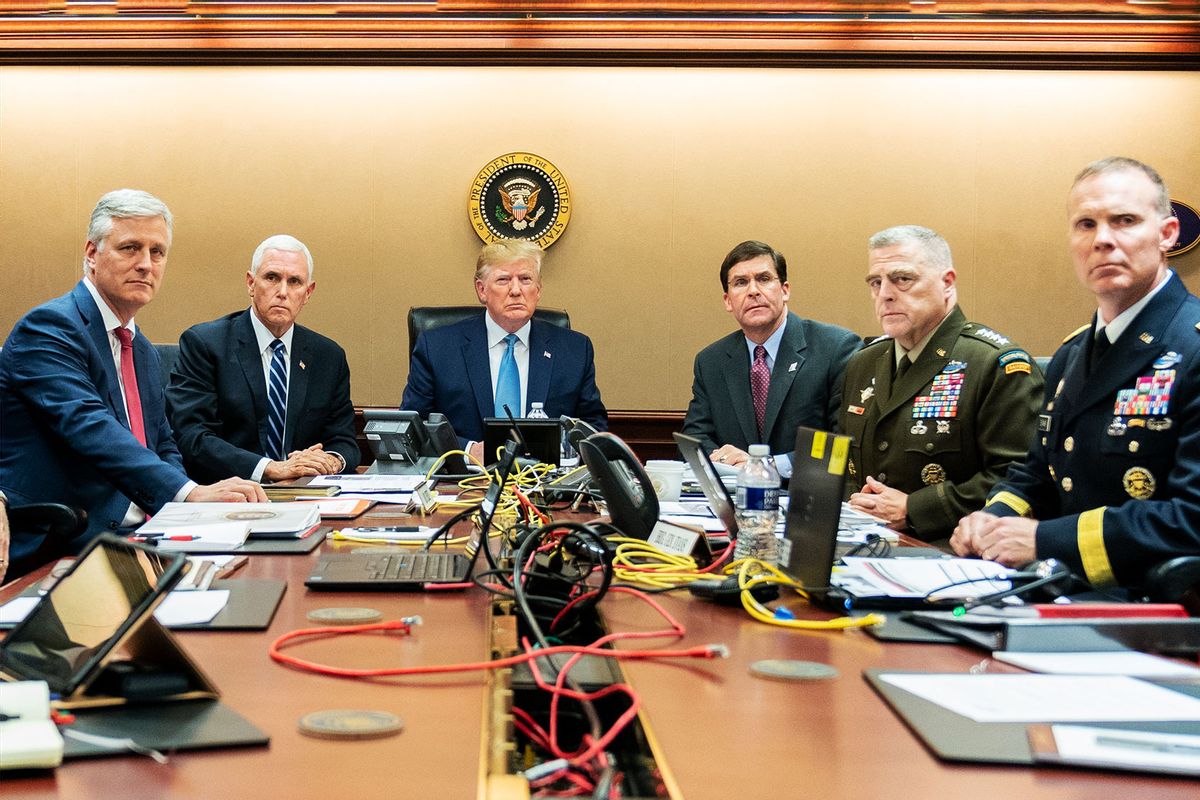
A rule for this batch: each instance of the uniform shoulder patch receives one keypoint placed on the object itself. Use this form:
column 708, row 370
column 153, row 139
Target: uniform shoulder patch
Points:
column 1083, row 328
column 987, row 335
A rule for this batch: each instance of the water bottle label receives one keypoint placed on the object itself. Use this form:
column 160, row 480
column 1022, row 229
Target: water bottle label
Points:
column 757, row 498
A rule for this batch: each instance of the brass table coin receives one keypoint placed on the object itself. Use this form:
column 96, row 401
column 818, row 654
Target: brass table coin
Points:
column 780, row 669
column 344, row 616
column 350, row 724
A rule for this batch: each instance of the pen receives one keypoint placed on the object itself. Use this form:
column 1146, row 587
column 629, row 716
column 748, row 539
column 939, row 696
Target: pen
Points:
column 393, row 529
column 158, row 537
column 1171, row 748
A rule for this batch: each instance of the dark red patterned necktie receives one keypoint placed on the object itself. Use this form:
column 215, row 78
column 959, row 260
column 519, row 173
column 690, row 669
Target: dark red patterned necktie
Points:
column 760, row 383
column 133, row 398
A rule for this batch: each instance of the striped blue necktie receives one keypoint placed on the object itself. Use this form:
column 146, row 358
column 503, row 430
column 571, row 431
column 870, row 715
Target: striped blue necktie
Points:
column 508, row 382
column 277, row 399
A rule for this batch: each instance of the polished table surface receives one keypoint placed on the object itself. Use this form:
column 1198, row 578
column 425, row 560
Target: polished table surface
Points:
column 721, row 732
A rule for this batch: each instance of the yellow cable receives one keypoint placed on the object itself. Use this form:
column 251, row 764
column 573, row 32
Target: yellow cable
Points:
column 752, row 572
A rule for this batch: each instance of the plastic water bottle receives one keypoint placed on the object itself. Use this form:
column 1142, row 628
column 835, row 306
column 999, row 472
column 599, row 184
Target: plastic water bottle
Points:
column 536, row 411
column 757, row 507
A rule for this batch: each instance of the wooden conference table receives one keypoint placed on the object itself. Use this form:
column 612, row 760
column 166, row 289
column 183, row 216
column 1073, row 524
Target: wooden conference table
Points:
column 720, row 732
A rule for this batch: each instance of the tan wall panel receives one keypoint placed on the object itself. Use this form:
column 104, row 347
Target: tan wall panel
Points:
column 668, row 169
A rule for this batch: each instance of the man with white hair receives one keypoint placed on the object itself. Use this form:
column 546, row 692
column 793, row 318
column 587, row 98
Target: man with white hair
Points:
column 939, row 407
column 258, row 396
column 81, row 402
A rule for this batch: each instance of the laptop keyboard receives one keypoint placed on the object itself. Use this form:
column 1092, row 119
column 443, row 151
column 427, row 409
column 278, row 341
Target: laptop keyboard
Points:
column 413, row 566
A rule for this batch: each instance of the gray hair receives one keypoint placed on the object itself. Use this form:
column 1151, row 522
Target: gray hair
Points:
column 935, row 249
column 280, row 241
column 505, row 251
column 1162, row 203
column 123, row 204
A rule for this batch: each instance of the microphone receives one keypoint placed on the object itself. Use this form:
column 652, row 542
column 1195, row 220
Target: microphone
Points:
column 1044, row 573
column 523, row 447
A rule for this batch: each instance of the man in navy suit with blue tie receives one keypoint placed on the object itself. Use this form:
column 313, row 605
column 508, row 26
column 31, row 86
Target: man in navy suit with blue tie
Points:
column 472, row 369
column 255, row 395
column 81, row 402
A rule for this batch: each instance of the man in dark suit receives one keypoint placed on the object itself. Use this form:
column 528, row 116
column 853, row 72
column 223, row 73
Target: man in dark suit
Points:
column 939, row 407
column 780, row 371
column 81, row 404
column 240, row 409
column 1111, row 485
column 472, row 369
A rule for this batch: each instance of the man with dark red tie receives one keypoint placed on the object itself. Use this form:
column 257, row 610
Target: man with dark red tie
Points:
column 81, row 402
column 779, row 371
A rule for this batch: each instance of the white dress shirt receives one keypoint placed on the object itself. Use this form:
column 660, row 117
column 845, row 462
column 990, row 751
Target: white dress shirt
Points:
column 134, row 516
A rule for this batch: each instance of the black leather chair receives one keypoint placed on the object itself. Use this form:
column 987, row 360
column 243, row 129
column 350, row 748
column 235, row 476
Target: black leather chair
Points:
column 58, row 523
column 423, row 318
column 168, row 354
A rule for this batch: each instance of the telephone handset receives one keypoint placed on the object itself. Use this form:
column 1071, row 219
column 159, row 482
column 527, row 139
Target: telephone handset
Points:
column 626, row 488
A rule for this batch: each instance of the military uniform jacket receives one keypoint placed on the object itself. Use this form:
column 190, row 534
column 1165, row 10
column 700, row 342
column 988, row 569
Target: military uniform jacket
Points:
column 1114, row 472
column 947, row 431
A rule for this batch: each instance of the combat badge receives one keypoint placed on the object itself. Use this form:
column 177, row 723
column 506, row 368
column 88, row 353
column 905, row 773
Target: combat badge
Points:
column 1159, row 423
column 1139, row 483
column 1166, row 360
column 943, row 426
column 519, row 196
column 867, row 393
column 933, row 473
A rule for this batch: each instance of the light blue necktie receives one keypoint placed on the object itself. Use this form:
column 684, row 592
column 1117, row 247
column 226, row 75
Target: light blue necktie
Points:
column 508, row 382
column 277, row 399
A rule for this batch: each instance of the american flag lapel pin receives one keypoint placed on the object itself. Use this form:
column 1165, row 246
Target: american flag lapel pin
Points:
column 792, row 368
column 302, row 365
column 546, row 353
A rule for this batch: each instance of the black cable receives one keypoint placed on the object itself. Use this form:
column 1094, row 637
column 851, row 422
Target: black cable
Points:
column 531, row 542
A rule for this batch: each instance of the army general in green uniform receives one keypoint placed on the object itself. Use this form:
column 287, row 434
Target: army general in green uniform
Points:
column 939, row 407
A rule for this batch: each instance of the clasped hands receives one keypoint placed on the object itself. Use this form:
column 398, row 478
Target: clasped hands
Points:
column 304, row 463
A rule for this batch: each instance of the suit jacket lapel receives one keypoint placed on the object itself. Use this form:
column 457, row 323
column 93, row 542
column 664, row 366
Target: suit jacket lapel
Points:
column 1139, row 345
column 299, row 361
column 789, row 360
column 250, row 360
column 541, row 366
column 737, row 381
column 475, row 355
column 94, row 326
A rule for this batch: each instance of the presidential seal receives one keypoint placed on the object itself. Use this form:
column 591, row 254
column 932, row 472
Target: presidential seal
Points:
column 519, row 196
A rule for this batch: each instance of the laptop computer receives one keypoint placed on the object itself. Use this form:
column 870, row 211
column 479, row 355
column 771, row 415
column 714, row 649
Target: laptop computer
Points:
column 710, row 482
column 407, row 570
column 810, row 545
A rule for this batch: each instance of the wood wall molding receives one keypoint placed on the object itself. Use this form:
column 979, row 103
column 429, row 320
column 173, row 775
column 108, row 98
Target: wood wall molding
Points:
column 1087, row 35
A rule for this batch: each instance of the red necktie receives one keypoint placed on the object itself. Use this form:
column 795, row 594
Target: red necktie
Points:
column 133, row 399
column 760, row 383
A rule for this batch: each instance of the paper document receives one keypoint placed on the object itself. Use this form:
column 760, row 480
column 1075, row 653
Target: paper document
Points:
column 370, row 483
column 191, row 608
column 263, row 519
column 17, row 609
column 341, row 506
column 195, row 538
column 1116, row 747
column 1121, row 662
column 1048, row 698
column 678, row 509
column 938, row 578
column 28, row 737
